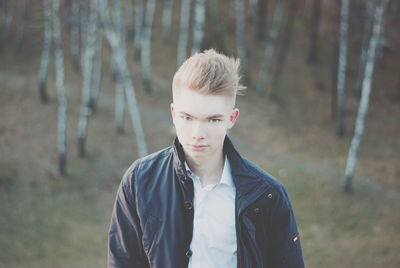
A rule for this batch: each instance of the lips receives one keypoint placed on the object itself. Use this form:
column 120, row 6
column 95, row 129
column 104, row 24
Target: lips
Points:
column 198, row 147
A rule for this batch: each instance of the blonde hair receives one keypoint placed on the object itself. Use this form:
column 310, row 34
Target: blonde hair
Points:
column 210, row 73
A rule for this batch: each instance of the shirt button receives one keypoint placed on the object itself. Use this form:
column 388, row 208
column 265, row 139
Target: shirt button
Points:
column 256, row 211
column 189, row 253
column 269, row 196
column 188, row 205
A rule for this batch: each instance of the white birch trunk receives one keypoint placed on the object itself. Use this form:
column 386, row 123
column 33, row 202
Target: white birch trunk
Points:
column 97, row 70
column 342, row 66
column 62, row 100
column 198, row 25
column 88, row 54
column 146, row 45
column 119, row 54
column 240, row 33
column 129, row 17
column 119, row 106
column 183, row 31
column 74, row 34
column 139, row 21
column 45, row 58
column 167, row 18
column 263, row 74
column 364, row 46
column 365, row 95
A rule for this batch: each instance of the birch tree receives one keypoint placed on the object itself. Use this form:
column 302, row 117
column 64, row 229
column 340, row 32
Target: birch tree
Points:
column 270, row 48
column 45, row 58
column 365, row 95
column 284, row 48
column 129, row 18
column 62, row 100
column 183, row 31
column 117, row 42
column 119, row 105
column 87, row 70
column 146, row 45
column 240, row 33
column 314, row 33
column 139, row 20
column 97, row 70
column 167, row 18
column 75, row 34
column 198, row 25
column 342, row 66
column 364, row 46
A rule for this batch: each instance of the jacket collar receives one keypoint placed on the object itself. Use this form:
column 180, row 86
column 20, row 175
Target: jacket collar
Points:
column 249, row 184
column 244, row 177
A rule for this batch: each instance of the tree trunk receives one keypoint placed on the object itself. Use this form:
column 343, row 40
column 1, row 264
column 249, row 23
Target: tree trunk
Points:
column 261, row 86
column 335, row 62
column 167, row 18
column 284, row 49
column 262, row 19
column 139, row 22
column 198, row 25
column 44, row 60
column 183, row 31
column 62, row 100
column 146, row 45
column 88, row 55
column 365, row 95
column 314, row 33
column 364, row 46
column 119, row 105
column 117, row 43
column 97, row 69
column 129, row 19
column 75, row 35
column 341, row 79
column 240, row 33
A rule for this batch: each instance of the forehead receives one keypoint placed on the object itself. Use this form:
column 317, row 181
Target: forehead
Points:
column 196, row 104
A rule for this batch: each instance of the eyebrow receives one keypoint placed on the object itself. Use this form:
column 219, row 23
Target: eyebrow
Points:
column 208, row 117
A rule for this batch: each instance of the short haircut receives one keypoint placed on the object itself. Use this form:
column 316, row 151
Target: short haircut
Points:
column 210, row 73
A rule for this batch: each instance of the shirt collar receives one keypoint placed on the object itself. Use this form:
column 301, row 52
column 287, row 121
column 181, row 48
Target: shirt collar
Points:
column 226, row 177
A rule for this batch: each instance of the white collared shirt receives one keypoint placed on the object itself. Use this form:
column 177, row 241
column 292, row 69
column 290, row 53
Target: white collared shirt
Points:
column 214, row 232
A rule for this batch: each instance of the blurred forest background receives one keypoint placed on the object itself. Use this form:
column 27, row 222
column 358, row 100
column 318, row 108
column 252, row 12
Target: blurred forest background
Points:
column 85, row 89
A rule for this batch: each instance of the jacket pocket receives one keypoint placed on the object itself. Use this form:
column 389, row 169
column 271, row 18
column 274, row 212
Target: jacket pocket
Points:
column 150, row 232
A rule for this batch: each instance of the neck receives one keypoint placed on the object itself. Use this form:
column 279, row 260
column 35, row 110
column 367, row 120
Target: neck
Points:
column 208, row 169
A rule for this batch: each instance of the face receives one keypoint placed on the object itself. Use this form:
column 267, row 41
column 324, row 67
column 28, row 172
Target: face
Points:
column 202, row 121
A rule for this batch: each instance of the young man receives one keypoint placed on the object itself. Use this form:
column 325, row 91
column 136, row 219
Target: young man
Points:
column 198, row 203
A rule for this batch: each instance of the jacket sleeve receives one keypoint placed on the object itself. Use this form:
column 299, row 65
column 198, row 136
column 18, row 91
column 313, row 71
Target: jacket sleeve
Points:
column 285, row 246
column 124, row 239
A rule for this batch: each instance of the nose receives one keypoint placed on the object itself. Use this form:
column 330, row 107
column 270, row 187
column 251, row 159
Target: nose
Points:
column 198, row 131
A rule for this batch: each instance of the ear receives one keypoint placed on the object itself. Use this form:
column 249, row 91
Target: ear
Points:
column 233, row 117
column 172, row 112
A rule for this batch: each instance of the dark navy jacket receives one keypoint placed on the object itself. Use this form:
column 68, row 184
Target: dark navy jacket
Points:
column 152, row 220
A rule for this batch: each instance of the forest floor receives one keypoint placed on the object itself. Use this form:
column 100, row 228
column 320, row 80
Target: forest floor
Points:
column 47, row 220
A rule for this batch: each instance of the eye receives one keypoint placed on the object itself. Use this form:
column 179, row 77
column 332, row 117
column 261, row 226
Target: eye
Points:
column 215, row 120
column 186, row 118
